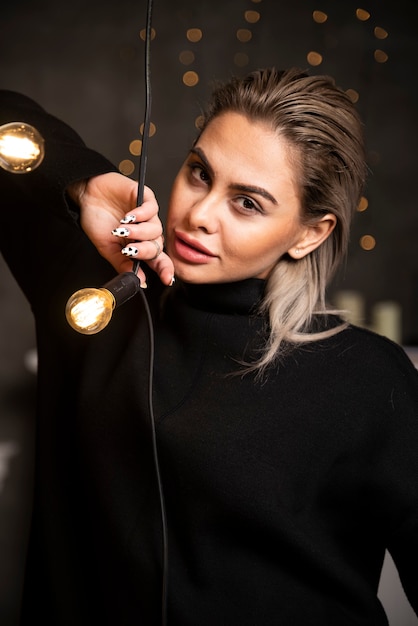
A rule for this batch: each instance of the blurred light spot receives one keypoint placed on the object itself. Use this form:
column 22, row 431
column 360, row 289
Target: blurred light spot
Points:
column 314, row 58
column 152, row 129
column 363, row 204
column 194, row 34
column 8, row 449
column 380, row 33
column 126, row 167
column 319, row 17
column 143, row 34
column 241, row 59
column 190, row 79
column 353, row 95
column 380, row 56
column 244, row 35
column 186, row 57
column 30, row 360
column 252, row 17
column 362, row 15
column 199, row 122
column 135, row 147
column 367, row 242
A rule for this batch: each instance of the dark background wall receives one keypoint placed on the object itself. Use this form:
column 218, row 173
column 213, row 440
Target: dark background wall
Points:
column 83, row 61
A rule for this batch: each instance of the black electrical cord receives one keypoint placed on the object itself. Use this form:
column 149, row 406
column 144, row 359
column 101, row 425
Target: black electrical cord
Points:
column 140, row 199
column 147, row 112
column 164, row 588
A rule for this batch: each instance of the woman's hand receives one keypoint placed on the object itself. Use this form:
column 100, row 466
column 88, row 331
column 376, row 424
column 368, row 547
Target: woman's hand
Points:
column 113, row 223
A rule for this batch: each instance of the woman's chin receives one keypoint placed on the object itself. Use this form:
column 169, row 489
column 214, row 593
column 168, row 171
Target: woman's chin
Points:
column 193, row 277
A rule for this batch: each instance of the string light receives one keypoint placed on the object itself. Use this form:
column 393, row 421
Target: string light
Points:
column 187, row 57
column 143, row 34
column 126, row 167
column 135, row 147
column 362, row 15
column 367, row 242
column 363, row 204
column 252, row 17
column 380, row 33
column 22, row 147
column 314, row 58
column 190, row 78
column 319, row 17
column 194, row 35
column 199, row 122
column 353, row 95
column 380, row 56
column 151, row 131
column 89, row 310
column 244, row 35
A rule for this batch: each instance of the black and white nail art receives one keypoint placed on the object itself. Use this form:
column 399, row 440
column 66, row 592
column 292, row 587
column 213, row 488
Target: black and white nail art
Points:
column 130, row 251
column 128, row 219
column 120, row 232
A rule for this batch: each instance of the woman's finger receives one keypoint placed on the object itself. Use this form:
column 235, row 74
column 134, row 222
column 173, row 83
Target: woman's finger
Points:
column 164, row 267
column 145, row 250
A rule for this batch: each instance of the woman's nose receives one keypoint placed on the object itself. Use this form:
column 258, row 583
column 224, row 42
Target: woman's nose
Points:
column 204, row 213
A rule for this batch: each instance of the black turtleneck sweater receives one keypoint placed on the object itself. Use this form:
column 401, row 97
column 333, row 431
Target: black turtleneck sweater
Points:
column 281, row 494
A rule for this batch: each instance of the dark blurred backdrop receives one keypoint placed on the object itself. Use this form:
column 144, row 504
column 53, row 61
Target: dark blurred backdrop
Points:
column 84, row 62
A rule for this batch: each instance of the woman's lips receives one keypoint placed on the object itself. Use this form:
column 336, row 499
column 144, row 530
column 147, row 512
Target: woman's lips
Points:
column 192, row 251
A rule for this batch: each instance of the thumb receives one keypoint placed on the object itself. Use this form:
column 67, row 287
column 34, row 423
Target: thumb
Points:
column 164, row 267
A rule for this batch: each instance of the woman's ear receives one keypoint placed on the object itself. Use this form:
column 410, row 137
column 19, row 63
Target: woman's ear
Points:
column 313, row 235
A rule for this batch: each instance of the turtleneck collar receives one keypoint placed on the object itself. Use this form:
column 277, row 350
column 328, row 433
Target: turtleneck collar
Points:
column 240, row 298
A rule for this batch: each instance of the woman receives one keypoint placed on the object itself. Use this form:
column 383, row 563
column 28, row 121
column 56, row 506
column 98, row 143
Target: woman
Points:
column 287, row 440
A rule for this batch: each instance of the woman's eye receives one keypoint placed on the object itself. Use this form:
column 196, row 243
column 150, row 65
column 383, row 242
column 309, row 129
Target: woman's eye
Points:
column 246, row 205
column 199, row 173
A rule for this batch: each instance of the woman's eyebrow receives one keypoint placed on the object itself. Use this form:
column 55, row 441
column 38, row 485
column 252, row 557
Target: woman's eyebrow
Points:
column 202, row 156
column 257, row 190
column 238, row 186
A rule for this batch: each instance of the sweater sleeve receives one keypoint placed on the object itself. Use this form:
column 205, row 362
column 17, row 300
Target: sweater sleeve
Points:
column 39, row 234
column 67, row 158
column 403, row 542
column 396, row 469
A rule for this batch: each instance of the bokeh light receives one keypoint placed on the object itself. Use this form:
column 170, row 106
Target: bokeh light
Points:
column 194, row 35
column 368, row 242
column 190, row 79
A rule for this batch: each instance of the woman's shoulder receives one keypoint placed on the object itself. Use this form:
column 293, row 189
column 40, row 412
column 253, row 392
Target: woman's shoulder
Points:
column 368, row 350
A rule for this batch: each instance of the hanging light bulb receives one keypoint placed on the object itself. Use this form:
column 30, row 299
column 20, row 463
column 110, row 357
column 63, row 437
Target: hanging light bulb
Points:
column 89, row 310
column 21, row 147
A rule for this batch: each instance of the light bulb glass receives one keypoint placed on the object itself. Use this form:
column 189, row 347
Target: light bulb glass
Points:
column 22, row 147
column 89, row 310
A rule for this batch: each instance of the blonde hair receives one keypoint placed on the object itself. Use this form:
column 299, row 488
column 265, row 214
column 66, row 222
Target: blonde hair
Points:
column 324, row 131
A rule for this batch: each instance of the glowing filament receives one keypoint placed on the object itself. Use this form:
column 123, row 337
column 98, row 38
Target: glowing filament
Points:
column 21, row 147
column 89, row 310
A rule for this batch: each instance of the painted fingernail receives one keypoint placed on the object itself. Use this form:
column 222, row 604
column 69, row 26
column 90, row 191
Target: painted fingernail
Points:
column 172, row 281
column 120, row 232
column 128, row 219
column 130, row 251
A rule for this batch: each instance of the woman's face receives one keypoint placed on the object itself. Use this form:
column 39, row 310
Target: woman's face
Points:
column 234, row 208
